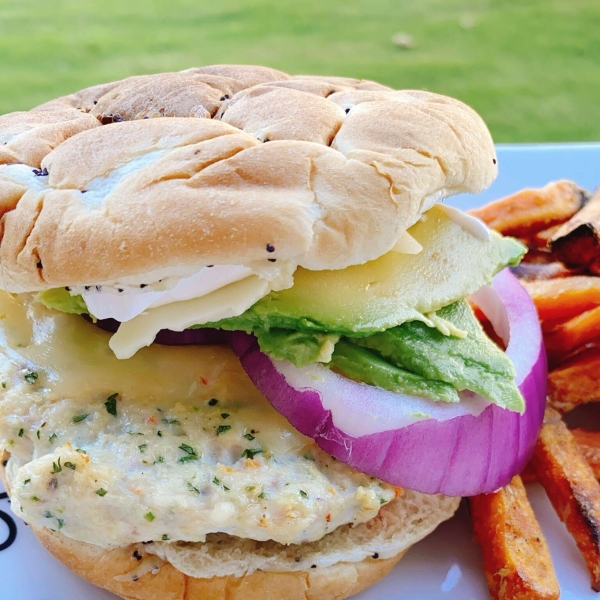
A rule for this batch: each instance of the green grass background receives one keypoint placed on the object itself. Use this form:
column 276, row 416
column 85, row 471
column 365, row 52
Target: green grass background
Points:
column 530, row 67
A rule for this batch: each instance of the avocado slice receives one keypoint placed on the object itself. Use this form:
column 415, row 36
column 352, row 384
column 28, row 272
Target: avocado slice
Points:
column 386, row 292
column 410, row 359
column 60, row 299
column 471, row 363
column 302, row 348
column 362, row 365
column 299, row 347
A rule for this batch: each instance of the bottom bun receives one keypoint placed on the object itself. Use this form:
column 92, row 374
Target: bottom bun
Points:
column 108, row 568
column 136, row 572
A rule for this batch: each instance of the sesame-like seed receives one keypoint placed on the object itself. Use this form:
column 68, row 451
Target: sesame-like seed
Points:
column 110, row 118
column 272, row 260
column 494, row 160
column 87, row 287
column 270, row 248
column 225, row 97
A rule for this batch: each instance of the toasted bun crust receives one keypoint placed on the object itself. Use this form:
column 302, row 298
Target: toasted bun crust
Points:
column 27, row 137
column 349, row 166
column 101, row 567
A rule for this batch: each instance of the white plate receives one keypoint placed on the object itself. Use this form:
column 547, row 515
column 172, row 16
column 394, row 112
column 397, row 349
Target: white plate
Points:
column 446, row 565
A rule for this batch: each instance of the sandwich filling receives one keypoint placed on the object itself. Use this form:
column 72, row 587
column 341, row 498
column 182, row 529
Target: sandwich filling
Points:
column 400, row 322
column 172, row 445
column 115, row 440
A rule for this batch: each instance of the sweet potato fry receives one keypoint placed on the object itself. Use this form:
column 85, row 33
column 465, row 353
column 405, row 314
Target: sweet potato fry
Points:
column 563, row 298
column 576, row 382
column 541, row 271
column 575, row 333
column 577, row 242
column 537, row 256
column 542, row 238
column 527, row 475
column 571, row 488
column 550, row 325
column 588, row 443
column 516, row 558
column 532, row 210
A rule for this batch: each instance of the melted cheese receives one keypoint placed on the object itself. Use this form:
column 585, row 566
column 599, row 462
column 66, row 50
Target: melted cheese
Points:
column 211, row 294
column 469, row 223
column 172, row 464
column 125, row 302
column 407, row 245
column 229, row 301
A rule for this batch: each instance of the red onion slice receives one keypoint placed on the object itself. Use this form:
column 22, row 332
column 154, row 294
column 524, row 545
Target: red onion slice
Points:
column 478, row 449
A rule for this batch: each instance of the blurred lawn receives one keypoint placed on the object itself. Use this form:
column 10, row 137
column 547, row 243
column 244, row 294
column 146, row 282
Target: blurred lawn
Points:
column 531, row 67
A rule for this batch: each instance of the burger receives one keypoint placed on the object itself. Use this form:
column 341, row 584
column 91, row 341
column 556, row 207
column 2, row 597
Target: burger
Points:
column 241, row 343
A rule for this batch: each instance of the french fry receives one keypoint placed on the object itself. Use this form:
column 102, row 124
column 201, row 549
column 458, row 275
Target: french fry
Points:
column 564, row 298
column 561, row 248
column 550, row 325
column 537, row 256
column 527, row 475
column 542, row 238
column 532, row 210
column 516, row 558
column 571, row 488
column 577, row 242
column 541, row 271
column 576, row 382
column 575, row 333
column 588, row 443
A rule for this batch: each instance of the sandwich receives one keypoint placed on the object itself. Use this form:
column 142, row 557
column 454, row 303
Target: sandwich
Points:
column 246, row 349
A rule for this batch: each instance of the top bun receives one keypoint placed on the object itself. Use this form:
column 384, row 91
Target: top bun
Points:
column 94, row 187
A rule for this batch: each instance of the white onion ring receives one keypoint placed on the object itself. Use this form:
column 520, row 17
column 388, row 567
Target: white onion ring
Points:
column 459, row 456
